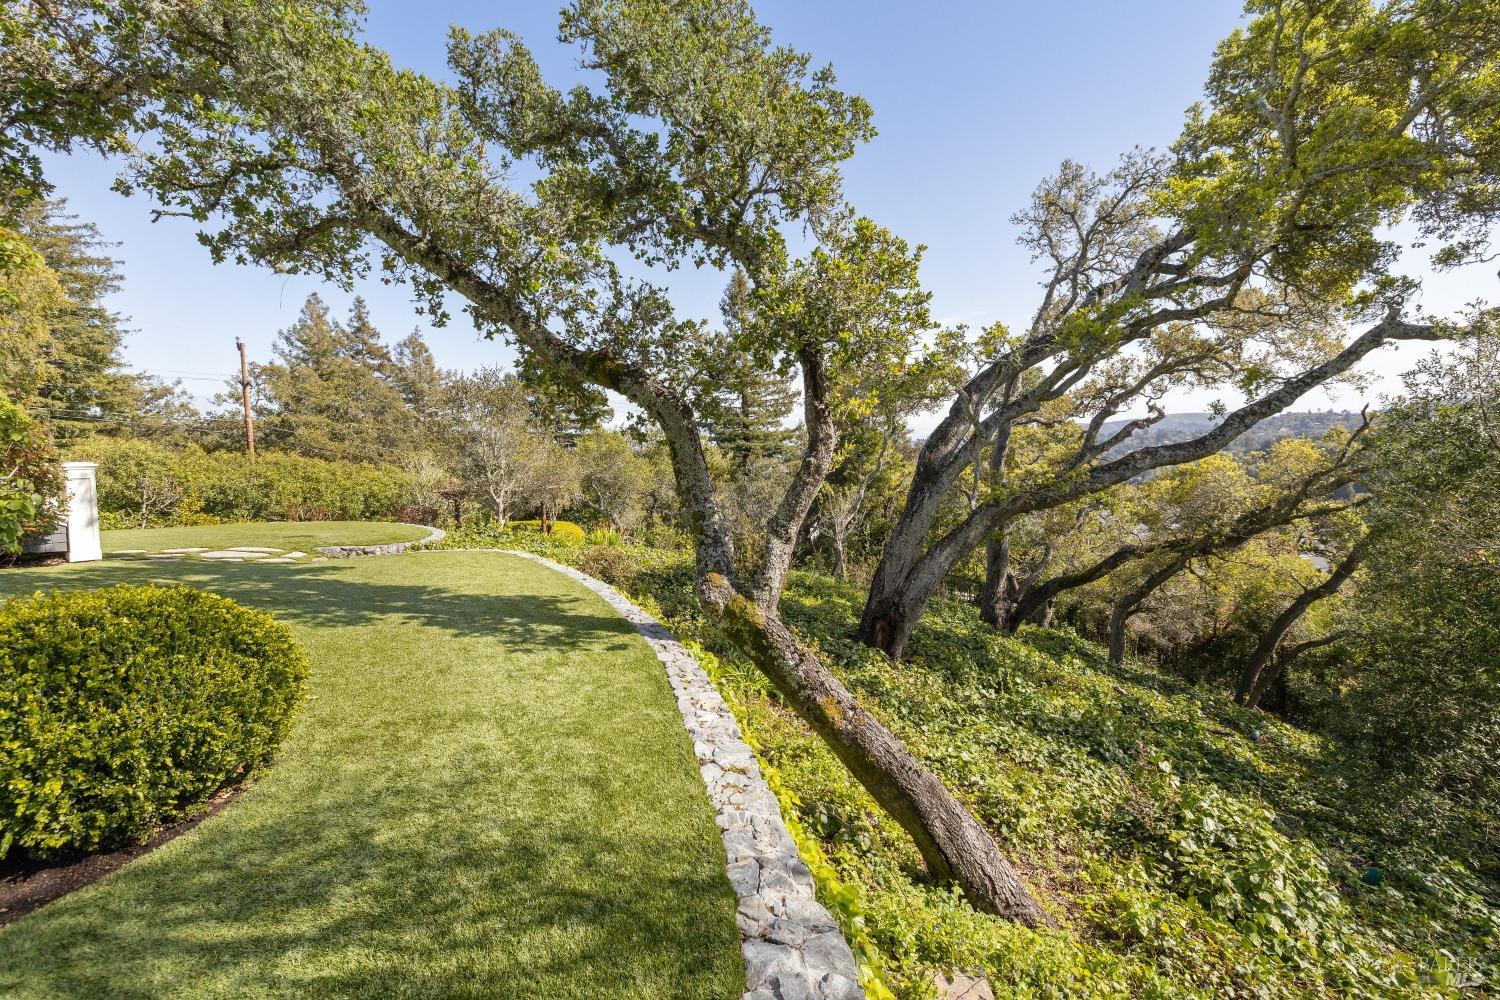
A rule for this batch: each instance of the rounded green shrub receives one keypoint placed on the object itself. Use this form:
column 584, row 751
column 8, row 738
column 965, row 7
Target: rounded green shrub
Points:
column 121, row 708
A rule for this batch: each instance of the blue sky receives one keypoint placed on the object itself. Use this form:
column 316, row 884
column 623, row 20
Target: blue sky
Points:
column 975, row 102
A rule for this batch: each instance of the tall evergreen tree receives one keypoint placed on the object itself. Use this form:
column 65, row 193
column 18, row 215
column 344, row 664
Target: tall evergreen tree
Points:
column 63, row 344
column 569, row 408
column 416, row 375
column 746, row 407
column 329, row 393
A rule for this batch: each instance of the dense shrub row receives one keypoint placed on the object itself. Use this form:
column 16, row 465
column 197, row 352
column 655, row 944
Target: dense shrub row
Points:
column 121, row 708
column 143, row 484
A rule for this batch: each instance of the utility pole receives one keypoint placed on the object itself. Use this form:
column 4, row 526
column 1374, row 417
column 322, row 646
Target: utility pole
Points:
column 245, row 397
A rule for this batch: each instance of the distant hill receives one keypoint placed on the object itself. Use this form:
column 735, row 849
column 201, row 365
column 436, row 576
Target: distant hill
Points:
column 1183, row 426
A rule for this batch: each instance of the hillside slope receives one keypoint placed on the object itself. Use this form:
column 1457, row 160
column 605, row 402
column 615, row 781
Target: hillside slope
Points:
column 1188, row 848
column 1175, row 427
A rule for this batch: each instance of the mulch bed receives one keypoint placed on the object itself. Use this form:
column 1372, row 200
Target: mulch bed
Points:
column 26, row 885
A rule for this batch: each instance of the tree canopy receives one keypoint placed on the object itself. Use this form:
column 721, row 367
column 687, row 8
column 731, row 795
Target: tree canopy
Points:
column 1261, row 253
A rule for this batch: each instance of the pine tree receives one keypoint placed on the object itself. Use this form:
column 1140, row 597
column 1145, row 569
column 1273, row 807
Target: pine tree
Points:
column 569, row 409
column 416, row 375
column 746, row 408
column 330, row 392
column 64, row 345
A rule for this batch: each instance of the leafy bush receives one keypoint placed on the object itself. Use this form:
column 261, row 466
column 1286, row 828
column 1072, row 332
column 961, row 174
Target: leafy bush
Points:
column 144, row 484
column 121, row 708
column 31, row 480
column 562, row 532
column 606, row 536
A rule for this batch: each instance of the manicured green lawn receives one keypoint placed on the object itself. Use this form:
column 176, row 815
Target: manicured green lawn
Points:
column 489, row 793
column 290, row 535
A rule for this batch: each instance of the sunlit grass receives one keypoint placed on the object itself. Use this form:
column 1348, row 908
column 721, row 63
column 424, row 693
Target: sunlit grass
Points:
column 489, row 793
column 288, row 535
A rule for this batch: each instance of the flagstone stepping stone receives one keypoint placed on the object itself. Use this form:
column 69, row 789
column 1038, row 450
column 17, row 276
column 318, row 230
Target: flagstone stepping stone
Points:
column 276, row 559
column 163, row 558
column 229, row 555
column 181, row 551
column 293, row 555
column 253, row 548
column 963, row 987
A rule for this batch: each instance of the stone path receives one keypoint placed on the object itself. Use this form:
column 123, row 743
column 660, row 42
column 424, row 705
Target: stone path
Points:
column 792, row 946
column 268, row 554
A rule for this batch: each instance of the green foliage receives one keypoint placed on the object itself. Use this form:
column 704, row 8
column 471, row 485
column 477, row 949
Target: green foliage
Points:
column 561, row 532
column 122, row 708
column 1421, row 693
column 60, row 343
column 745, row 401
column 1193, row 849
column 142, row 484
column 31, row 480
column 334, row 390
column 614, row 478
column 69, row 75
column 608, row 537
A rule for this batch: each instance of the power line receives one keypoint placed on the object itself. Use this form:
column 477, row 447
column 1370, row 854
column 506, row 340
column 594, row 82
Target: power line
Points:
column 104, row 369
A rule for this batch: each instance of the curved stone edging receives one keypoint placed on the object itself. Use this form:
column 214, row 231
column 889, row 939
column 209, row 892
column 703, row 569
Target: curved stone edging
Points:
column 389, row 549
column 792, row 945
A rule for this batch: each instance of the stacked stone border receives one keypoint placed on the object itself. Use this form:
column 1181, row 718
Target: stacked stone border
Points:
column 353, row 551
column 792, row 945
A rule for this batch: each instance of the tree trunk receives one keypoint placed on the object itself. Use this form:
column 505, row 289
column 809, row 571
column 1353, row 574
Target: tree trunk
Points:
column 911, row 570
column 888, row 625
column 1128, row 604
column 1118, row 618
column 997, row 599
column 1250, row 687
column 954, row 844
column 840, row 558
column 1276, row 676
column 883, row 623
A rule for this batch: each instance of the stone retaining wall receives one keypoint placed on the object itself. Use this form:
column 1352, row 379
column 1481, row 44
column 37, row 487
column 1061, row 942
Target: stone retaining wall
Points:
column 353, row 551
column 793, row 947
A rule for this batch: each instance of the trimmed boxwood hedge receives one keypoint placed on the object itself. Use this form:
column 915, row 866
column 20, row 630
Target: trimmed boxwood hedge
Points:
column 121, row 708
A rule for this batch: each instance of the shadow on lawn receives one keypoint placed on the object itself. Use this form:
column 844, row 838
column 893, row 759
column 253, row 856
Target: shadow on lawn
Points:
column 338, row 594
column 552, row 909
column 395, row 853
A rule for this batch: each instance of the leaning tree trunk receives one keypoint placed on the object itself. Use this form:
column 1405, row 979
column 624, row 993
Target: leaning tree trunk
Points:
column 1247, row 692
column 1276, row 674
column 954, row 844
column 1128, row 604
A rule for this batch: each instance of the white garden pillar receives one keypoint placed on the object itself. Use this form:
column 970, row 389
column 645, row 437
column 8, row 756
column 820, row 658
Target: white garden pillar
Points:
column 83, row 512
